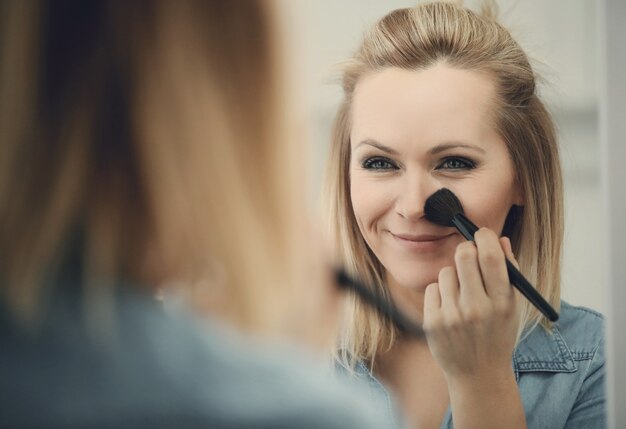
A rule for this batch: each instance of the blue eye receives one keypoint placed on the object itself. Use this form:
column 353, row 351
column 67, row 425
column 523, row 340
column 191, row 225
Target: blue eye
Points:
column 379, row 163
column 456, row 163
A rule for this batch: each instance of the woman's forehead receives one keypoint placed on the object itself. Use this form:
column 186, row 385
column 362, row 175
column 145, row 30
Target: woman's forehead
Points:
column 437, row 105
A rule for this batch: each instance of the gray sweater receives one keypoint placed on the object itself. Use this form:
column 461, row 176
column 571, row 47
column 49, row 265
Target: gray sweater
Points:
column 157, row 370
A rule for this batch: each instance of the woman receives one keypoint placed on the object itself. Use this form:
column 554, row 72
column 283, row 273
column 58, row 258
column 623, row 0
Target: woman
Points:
column 439, row 96
column 144, row 144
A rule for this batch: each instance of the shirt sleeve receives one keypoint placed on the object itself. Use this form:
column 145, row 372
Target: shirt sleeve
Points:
column 589, row 410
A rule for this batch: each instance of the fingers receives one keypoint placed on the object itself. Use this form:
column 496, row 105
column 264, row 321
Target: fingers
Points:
column 508, row 250
column 432, row 299
column 472, row 291
column 469, row 313
column 432, row 307
column 478, row 282
column 448, row 287
column 492, row 264
column 441, row 300
column 449, row 291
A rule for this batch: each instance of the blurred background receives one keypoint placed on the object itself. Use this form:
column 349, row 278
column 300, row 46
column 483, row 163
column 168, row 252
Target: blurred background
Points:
column 559, row 36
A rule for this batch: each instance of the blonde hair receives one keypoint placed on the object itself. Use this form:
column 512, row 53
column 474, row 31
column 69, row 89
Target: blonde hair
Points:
column 415, row 39
column 143, row 128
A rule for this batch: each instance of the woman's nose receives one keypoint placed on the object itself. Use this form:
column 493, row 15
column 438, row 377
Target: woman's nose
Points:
column 412, row 195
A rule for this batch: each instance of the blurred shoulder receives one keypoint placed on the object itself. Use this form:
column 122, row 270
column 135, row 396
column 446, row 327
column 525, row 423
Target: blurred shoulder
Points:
column 166, row 369
column 284, row 386
column 248, row 382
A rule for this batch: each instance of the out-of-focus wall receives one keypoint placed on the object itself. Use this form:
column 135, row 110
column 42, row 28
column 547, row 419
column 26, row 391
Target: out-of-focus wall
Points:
column 559, row 36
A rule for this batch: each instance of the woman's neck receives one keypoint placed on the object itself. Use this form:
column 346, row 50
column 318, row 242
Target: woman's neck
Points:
column 408, row 300
column 401, row 359
column 411, row 373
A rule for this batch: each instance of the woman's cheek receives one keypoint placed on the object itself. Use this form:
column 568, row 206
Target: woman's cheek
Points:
column 490, row 213
column 369, row 197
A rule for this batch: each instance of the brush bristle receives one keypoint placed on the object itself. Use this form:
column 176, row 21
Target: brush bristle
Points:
column 441, row 207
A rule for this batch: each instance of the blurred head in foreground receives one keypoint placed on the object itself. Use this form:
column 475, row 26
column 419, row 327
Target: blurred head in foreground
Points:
column 145, row 143
column 149, row 138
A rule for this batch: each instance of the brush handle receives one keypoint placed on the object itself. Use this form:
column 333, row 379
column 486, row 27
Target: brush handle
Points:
column 467, row 228
column 378, row 302
column 519, row 281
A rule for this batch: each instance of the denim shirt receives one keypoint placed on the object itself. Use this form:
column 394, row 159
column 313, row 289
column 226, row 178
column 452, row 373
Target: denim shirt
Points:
column 560, row 375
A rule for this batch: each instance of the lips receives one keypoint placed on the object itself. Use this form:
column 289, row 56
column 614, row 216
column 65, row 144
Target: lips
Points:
column 422, row 243
column 421, row 238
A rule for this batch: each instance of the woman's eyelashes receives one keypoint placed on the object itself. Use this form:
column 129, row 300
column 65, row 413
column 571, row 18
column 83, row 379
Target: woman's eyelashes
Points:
column 449, row 163
column 379, row 163
column 456, row 163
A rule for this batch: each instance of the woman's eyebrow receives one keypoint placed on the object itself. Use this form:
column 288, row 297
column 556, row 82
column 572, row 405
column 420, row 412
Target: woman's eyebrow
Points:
column 434, row 151
column 377, row 145
column 454, row 145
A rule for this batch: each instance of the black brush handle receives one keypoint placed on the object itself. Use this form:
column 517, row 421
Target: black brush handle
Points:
column 379, row 303
column 519, row 281
column 467, row 228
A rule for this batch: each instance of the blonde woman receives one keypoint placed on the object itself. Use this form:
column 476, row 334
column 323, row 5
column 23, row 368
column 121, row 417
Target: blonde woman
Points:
column 144, row 143
column 440, row 96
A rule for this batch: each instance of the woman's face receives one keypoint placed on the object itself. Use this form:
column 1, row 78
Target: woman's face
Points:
column 414, row 132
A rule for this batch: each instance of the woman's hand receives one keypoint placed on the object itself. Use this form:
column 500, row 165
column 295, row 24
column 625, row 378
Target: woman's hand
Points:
column 471, row 319
column 471, row 316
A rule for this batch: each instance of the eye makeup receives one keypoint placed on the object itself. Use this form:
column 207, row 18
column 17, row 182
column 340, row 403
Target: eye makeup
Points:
column 456, row 163
column 378, row 163
column 452, row 163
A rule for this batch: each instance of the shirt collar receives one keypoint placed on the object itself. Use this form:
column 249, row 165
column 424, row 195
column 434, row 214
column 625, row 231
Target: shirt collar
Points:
column 539, row 351
column 543, row 351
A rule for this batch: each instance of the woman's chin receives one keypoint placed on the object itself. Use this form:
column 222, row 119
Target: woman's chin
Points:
column 412, row 281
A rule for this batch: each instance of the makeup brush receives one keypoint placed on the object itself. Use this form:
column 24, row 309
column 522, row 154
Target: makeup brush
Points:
column 444, row 208
column 382, row 305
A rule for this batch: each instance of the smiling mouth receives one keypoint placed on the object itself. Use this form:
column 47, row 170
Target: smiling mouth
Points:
column 423, row 238
column 423, row 243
